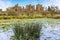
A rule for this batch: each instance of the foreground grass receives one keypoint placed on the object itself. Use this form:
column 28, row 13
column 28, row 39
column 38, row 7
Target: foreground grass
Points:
column 27, row 31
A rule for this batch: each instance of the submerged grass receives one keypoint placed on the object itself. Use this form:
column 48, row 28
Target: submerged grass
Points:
column 27, row 31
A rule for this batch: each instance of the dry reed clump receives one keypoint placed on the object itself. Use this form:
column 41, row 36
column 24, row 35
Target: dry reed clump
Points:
column 27, row 31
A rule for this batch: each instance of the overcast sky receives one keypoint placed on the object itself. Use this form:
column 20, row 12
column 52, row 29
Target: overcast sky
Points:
column 8, row 3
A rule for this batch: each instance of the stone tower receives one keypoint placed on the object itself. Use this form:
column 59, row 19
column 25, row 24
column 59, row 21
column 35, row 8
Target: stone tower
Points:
column 30, row 8
column 17, row 9
column 39, row 7
column 0, row 11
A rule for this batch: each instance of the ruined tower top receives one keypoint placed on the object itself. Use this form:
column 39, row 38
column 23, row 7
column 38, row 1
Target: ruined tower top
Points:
column 16, row 5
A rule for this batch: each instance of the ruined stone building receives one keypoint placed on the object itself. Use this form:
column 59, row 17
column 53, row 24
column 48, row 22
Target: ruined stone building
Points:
column 30, row 8
column 39, row 8
column 2, row 13
column 17, row 10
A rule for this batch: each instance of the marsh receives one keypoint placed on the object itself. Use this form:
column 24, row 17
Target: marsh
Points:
column 50, row 28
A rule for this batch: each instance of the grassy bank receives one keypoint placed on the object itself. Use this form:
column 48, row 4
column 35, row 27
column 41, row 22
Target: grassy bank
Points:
column 18, row 20
column 19, row 17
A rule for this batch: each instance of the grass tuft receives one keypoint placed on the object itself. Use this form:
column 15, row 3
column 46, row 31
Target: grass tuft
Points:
column 27, row 31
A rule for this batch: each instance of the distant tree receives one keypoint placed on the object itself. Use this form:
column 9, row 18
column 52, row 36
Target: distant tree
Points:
column 49, row 8
column 52, row 10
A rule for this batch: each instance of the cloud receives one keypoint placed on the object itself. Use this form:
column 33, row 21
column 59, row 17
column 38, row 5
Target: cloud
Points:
column 51, row 2
column 5, row 4
column 57, row 3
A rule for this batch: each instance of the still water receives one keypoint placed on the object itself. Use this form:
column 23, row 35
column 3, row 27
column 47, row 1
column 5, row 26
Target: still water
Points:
column 50, row 29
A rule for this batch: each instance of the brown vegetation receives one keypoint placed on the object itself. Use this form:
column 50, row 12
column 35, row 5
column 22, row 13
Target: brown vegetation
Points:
column 30, row 11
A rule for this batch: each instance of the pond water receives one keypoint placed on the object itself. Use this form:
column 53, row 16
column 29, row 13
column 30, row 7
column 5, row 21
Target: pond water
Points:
column 50, row 29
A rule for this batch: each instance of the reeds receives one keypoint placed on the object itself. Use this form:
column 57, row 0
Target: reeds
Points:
column 27, row 31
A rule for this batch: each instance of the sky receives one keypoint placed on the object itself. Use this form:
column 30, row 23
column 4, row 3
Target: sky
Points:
column 9, row 3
